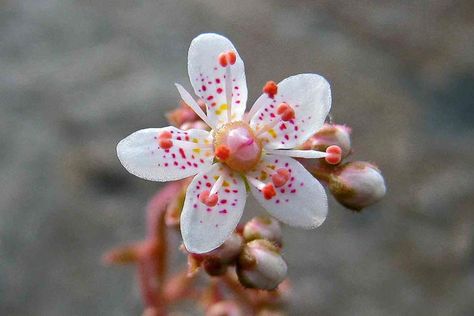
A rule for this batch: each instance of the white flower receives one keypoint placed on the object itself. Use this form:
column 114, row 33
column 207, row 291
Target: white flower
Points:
column 256, row 147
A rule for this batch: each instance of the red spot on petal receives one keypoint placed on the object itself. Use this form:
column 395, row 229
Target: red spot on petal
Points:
column 181, row 152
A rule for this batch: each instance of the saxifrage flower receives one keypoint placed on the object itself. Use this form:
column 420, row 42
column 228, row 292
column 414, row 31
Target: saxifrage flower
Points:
column 254, row 148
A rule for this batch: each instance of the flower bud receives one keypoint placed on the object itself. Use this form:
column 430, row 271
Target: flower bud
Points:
column 194, row 125
column 261, row 227
column 216, row 262
column 357, row 185
column 261, row 266
column 224, row 308
column 270, row 312
column 330, row 135
column 181, row 115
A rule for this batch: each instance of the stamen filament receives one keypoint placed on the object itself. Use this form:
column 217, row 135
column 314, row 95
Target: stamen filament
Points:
column 228, row 92
column 189, row 100
column 255, row 182
column 298, row 153
column 268, row 126
column 217, row 185
column 190, row 144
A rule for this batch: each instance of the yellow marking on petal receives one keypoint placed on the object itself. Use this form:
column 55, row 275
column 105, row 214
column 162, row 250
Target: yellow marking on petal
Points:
column 195, row 140
column 263, row 176
column 216, row 177
column 197, row 150
column 222, row 107
column 272, row 132
column 226, row 184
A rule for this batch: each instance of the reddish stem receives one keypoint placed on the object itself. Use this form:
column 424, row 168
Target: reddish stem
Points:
column 152, row 266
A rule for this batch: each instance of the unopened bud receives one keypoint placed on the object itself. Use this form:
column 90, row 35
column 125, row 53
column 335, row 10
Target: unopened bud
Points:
column 261, row 266
column 261, row 227
column 328, row 135
column 270, row 312
column 216, row 262
column 181, row 115
column 194, row 125
column 357, row 185
column 224, row 308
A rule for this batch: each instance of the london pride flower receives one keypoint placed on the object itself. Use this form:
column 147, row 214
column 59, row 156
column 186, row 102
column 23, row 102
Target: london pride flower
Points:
column 254, row 148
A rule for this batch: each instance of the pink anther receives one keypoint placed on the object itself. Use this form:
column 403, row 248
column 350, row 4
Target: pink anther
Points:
column 286, row 112
column 165, row 135
column 334, row 155
column 208, row 199
column 268, row 191
column 227, row 58
column 222, row 152
column 164, row 140
column 270, row 89
column 280, row 177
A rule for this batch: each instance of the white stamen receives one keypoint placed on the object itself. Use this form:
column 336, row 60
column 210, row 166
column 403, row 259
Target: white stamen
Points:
column 254, row 109
column 256, row 183
column 298, row 153
column 269, row 170
column 217, row 185
column 265, row 128
column 189, row 100
column 191, row 145
column 228, row 92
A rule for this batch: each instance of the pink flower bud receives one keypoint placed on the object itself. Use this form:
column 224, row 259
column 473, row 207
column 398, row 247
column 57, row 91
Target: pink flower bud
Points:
column 196, row 125
column 261, row 266
column 181, row 115
column 261, row 227
column 357, row 185
column 224, row 308
column 330, row 135
column 266, row 311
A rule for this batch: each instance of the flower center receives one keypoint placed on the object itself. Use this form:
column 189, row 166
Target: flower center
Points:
column 236, row 145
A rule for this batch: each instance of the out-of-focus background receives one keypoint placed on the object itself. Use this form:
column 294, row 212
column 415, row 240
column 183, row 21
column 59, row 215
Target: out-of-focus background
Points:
column 77, row 76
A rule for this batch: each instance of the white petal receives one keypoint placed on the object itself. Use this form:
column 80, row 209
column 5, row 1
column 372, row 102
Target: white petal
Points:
column 310, row 97
column 141, row 154
column 205, row 228
column 207, row 77
column 301, row 202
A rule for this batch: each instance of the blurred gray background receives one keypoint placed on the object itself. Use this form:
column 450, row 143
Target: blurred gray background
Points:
column 76, row 76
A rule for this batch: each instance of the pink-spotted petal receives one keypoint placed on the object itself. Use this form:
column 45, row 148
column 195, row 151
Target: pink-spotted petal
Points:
column 203, row 227
column 309, row 95
column 300, row 202
column 209, row 78
column 146, row 155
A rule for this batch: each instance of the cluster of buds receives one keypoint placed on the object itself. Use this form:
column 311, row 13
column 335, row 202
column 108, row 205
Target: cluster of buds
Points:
column 254, row 251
